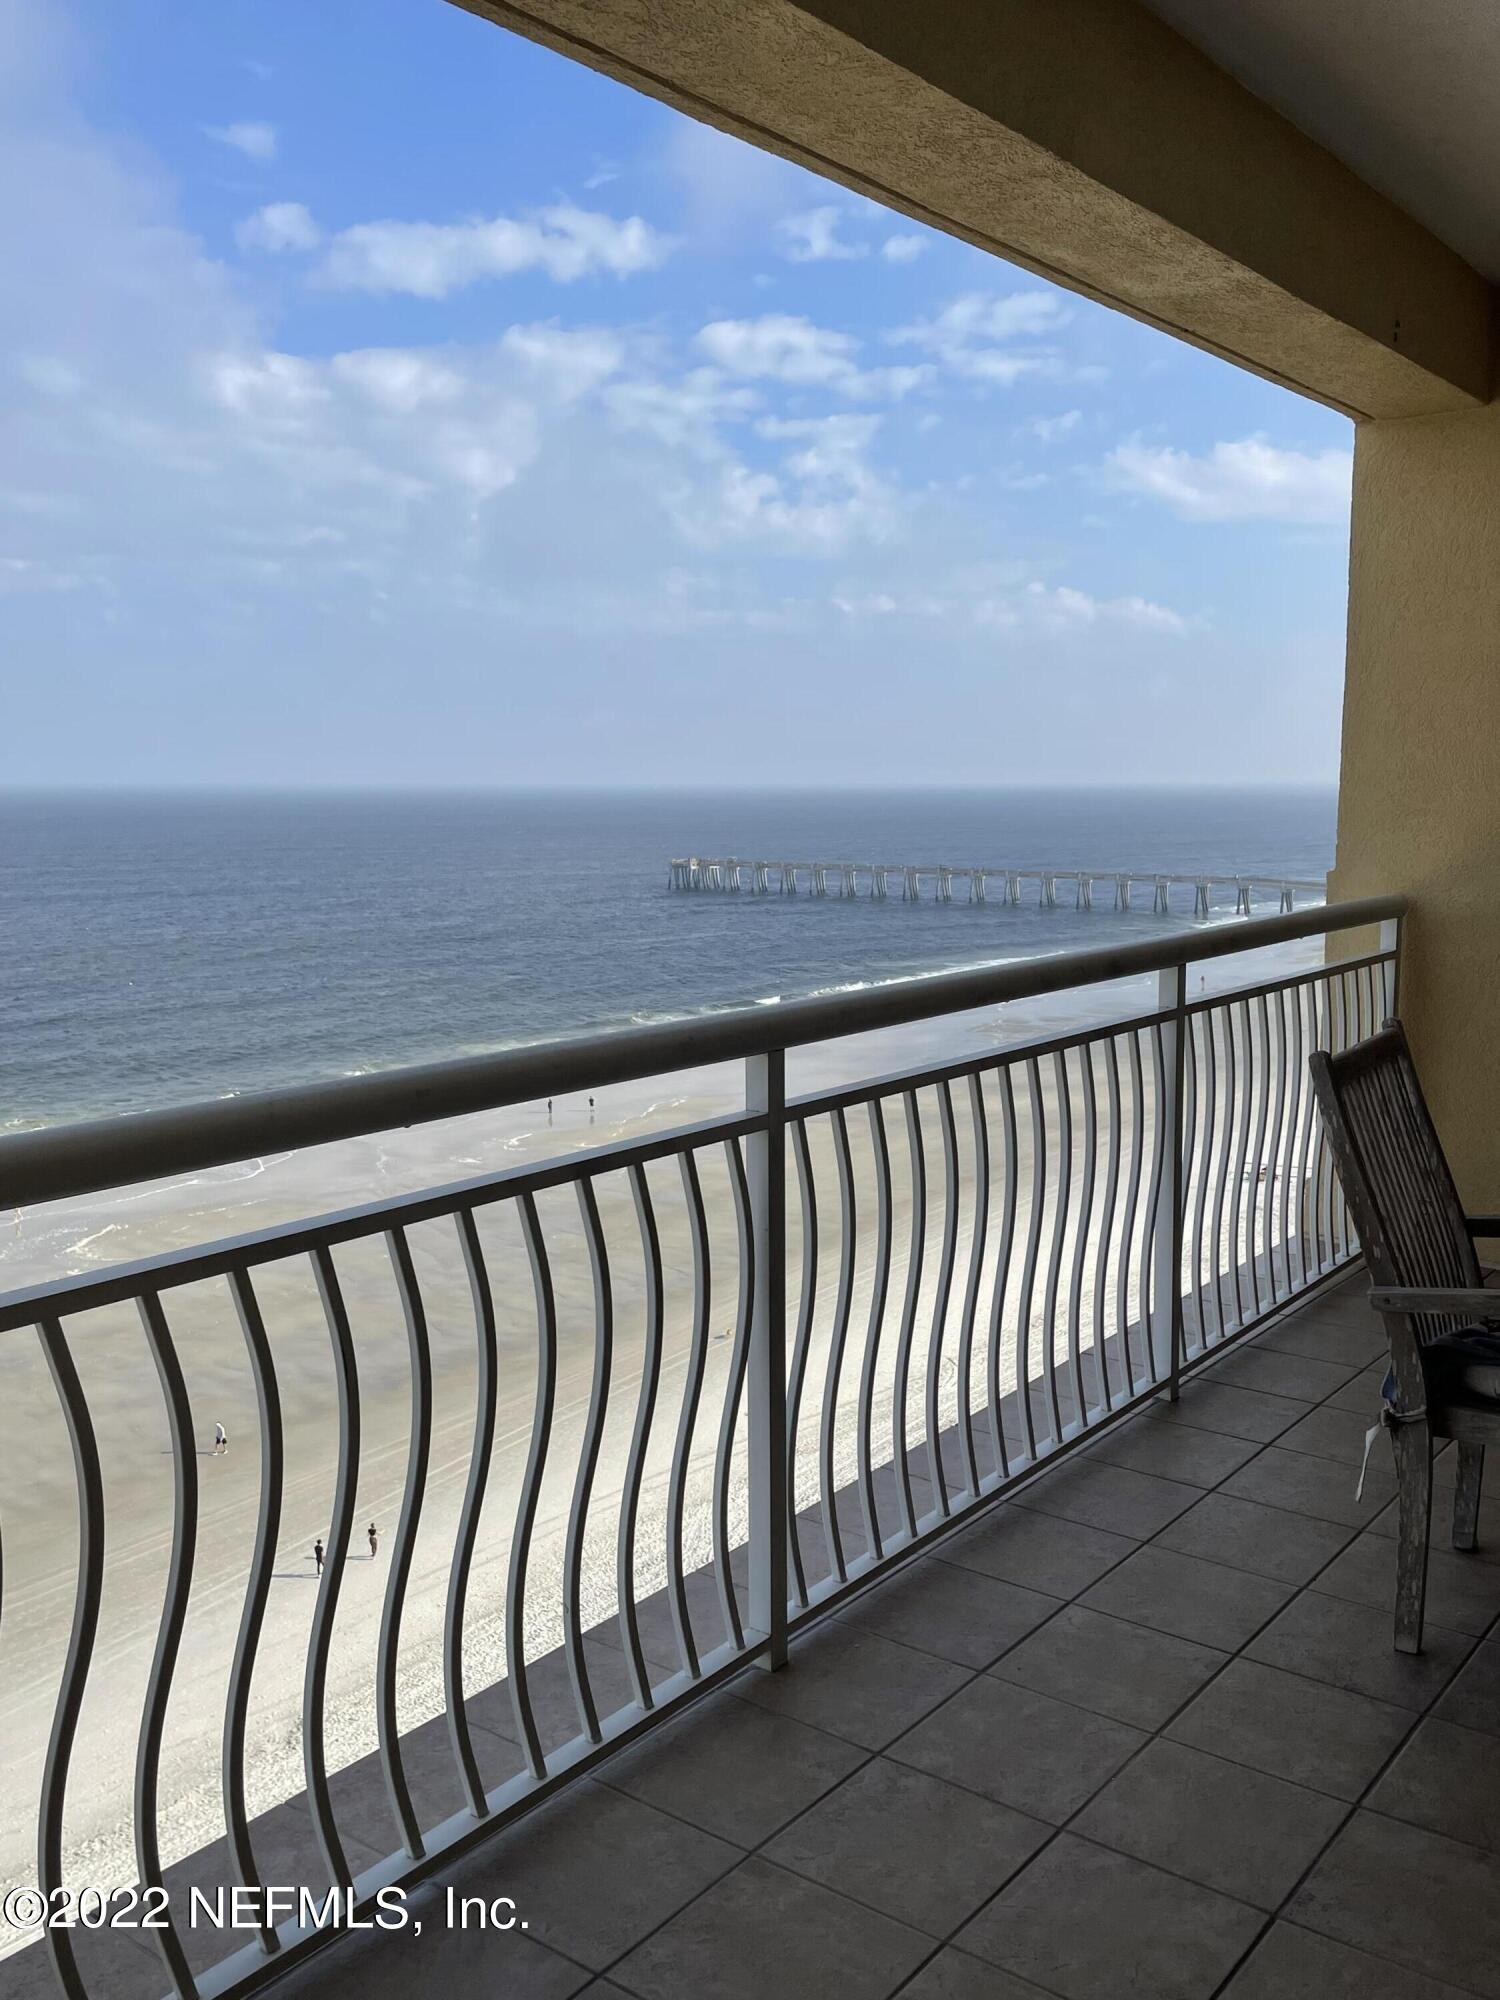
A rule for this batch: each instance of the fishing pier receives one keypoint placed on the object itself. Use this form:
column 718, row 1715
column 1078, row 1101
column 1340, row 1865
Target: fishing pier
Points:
column 904, row 882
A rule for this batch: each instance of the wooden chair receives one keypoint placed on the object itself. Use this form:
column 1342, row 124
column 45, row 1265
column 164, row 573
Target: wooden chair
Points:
column 1427, row 1285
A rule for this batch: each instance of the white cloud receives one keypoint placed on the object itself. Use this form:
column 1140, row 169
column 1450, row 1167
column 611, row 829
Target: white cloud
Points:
column 431, row 259
column 1063, row 607
column 823, row 498
column 1050, row 429
column 966, row 336
column 279, row 226
column 779, row 345
column 251, row 136
column 568, row 363
column 424, row 424
column 813, row 238
column 902, row 249
column 683, row 414
column 786, row 348
column 1248, row 480
column 1036, row 608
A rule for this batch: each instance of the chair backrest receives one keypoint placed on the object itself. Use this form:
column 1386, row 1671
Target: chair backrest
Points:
column 1392, row 1168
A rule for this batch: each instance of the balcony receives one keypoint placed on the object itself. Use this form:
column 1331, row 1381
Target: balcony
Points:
column 1146, row 1714
column 1088, row 1680
column 1139, row 1730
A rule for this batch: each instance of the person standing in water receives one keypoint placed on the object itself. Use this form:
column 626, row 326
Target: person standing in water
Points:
column 221, row 1440
column 318, row 1557
column 374, row 1541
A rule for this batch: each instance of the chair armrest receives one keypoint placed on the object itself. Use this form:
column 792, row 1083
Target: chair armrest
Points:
column 1473, row 1301
column 1482, row 1225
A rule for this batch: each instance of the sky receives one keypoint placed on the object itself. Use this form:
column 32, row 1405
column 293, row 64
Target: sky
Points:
column 386, row 400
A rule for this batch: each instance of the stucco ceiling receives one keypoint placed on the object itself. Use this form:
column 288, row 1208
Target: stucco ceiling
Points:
column 1406, row 92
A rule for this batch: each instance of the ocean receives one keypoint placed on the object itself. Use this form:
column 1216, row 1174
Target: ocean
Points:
column 169, row 948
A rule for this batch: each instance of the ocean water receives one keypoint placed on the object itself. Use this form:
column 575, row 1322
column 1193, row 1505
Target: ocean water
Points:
column 164, row 949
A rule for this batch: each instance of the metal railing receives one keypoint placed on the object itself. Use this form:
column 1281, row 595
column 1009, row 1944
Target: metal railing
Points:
column 940, row 1280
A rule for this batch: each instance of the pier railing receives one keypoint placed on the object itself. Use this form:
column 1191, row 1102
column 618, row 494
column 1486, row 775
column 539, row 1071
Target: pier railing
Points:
column 763, row 1358
column 880, row 882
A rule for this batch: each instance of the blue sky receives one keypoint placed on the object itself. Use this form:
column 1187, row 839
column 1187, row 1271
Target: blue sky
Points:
column 386, row 400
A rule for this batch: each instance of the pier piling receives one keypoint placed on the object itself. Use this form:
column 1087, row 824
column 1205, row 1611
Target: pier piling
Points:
column 729, row 875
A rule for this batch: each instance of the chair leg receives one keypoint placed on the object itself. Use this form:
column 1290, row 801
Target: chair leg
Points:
column 1413, row 1449
column 1466, row 1496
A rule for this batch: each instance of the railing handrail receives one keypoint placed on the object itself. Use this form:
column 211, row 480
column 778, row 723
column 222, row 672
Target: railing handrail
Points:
column 56, row 1163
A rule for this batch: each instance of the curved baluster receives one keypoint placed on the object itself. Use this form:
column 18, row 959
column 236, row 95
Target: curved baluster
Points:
column 734, row 1390
column 1306, row 1221
column 1339, row 999
column 635, row 1465
column 315, row 1685
column 1192, row 1167
column 1002, row 1282
column 1207, row 1282
column 588, row 1460
column 169, row 1633
column 1291, row 1047
column 1107, row 1233
column 1132, row 1212
column 1161, row 1140
column 1028, row 1268
column 944, row 1292
column 1243, row 1080
column 880, row 1285
column 971, row 1289
column 1347, row 986
column 1328, row 1038
column 419, row 1447
column 81, row 1636
column 531, row 1484
column 486, row 1398
column 1273, row 1159
column 1258, row 1036
column 1081, row 1237
column 838, row 1335
column 808, row 1196
column 257, row 1589
column 900, row 1454
column 692, row 1391
column 1221, row 1182
column 1063, row 1088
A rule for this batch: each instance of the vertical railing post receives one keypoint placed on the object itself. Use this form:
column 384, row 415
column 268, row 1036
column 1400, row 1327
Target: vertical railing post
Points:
column 765, row 1094
column 1166, row 1277
column 1390, row 941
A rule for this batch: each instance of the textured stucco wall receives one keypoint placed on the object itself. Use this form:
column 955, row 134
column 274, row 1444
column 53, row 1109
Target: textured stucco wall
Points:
column 1089, row 141
column 1419, row 797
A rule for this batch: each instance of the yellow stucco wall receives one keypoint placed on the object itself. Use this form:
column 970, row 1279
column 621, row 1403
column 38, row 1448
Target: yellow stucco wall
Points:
column 1419, row 797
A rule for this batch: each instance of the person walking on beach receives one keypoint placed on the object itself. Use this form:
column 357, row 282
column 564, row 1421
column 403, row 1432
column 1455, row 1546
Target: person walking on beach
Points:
column 374, row 1541
column 318, row 1557
column 221, row 1440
